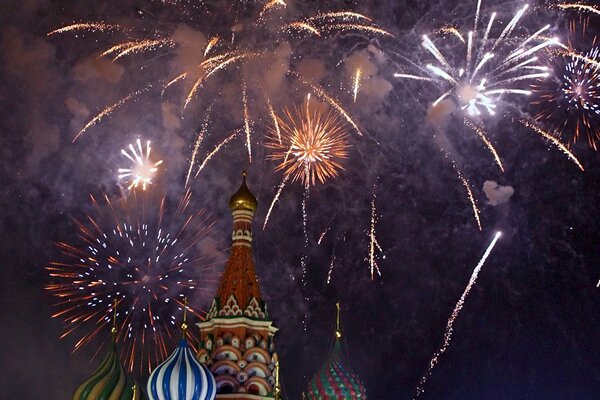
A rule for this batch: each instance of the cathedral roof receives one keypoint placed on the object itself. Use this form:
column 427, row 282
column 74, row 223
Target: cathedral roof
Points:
column 181, row 377
column 239, row 278
column 335, row 380
column 109, row 381
column 243, row 199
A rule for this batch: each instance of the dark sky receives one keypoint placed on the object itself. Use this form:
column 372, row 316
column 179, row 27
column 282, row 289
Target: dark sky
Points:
column 528, row 330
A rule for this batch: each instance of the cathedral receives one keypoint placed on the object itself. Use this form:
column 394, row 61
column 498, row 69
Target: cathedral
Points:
column 236, row 357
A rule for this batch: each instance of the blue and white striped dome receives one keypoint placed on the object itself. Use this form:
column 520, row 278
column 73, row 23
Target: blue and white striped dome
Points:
column 181, row 377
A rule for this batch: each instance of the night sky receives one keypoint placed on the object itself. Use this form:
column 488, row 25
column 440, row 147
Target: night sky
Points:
column 529, row 328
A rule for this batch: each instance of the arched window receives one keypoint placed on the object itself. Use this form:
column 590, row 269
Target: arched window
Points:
column 225, row 388
column 254, row 389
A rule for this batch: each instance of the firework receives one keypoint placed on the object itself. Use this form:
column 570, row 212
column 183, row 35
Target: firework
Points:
column 312, row 144
column 143, row 169
column 373, row 244
column 568, row 104
column 145, row 257
column 356, row 84
column 490, row 67
column 253, row 35
column 457, row 308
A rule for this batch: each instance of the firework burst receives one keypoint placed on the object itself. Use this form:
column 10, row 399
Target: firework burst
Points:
column 143, row 170
column 253, row 36
column 491, row 66
column 146, row 258
column 568, row 104
column 310, row 146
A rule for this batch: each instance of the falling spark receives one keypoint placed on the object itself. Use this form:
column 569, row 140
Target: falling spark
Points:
column 215, row 151
column 274, row 120
column 356, row 86
column 275, row 199
column 552, row 140
column 109, row 110
column 455, row 313
column 138, row 46
column 330, row 270
column 211, row 43
column 579, row 7
column 143, row 169
column 93, row 27
column 373, row 245
column 470, row 196
column 450, row 30
column 302, row 26
column 344, row 15
column 321, row 93
column 487, row 142
column 358, row 27
column 322, row 236
column 247, row 122
column 197, row 144
column 312, row 144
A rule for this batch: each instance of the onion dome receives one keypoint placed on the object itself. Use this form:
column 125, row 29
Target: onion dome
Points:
column 243, row 199
column 108, row 382
column 335, row 380
column 181, row 377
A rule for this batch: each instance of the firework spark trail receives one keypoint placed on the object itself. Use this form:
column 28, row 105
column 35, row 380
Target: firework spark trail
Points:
column 143, row 169
column 247, row 122
column 470, row 195
column 450, row 30
column 322, row 94
column 344, row 15
column 110, row 109
column 455, row 313
column 199, row 139
column 487, row 142
column 331, row 267
column 276, row 198
column 553, row 140
column 211, row 43
column 302, row 26
column 322, row 236
column 303, row 260
column 373, row 245
column 274, row 120
column 136, row 46
column 413, row 77
column 92, row 27
column 358, row 27
column 130, row 253
column 216, row 150
column 592, row 61
column 356, row 85
column 579, row 7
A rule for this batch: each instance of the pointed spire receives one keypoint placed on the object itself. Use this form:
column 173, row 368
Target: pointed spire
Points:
column 277, row 385
column 338, row 330
column 239, row 284
column 113, row 329
column 184, row 324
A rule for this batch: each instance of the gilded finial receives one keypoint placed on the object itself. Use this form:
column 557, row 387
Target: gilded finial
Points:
column 243, row 199
column 338, row 330
column 113, row 330
column 134, row 388
column 184, row 325
column 277, row 386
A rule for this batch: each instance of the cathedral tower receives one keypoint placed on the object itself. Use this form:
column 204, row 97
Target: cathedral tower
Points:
column 237, row 335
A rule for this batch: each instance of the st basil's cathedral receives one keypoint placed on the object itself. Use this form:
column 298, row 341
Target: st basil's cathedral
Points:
column 236, row 357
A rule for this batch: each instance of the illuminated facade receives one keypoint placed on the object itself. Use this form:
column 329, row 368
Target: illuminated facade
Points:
column 237, row 334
